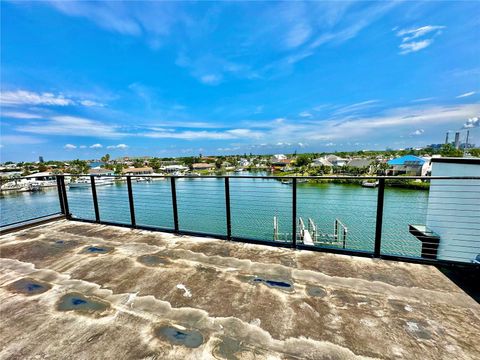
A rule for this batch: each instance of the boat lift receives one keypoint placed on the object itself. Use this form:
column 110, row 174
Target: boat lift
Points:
column 310, row 235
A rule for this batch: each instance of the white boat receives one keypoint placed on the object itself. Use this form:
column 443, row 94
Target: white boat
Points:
column 239, row 170
column 370, row 184
column 84, row 181
column 143, row 179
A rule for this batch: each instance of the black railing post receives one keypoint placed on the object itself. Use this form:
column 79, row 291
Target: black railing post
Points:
column 379, row 221
column 60, row 194
column 174, row 204
column 130, row 201
column 95, row 200
column 294, row 212
column 64, row 197
column 227, row 205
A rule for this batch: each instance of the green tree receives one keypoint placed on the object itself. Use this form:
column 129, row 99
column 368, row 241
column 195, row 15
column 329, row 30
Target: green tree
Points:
column 105, row 159
column 118, row 169
column 303, row 160
column 42, row 167
column 448, row 150
column 138, row 163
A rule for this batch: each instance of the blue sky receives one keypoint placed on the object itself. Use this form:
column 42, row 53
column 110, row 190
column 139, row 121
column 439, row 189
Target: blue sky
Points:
column 79, row 79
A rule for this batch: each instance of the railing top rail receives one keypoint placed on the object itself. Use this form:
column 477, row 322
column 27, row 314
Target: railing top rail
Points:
column 370, row 177
column 277, row 177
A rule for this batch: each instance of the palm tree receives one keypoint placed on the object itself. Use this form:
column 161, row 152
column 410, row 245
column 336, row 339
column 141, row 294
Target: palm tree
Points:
column 105, row 159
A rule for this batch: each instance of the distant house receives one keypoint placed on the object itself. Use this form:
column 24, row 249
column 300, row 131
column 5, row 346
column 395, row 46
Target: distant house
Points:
column 173, row 168
column 336, row 160
column 408, row 165
column 280, row 164
column 361, row 163
column 203, row 166
column 244, row 162
column 321, row 162
column 100, row 171
column 138, row 171
column 277, row 158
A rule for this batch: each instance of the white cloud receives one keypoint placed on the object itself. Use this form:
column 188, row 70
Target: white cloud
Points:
column 298, row 35
column 202, row 134
column 211, row 79
column 119, row 146
column 418, row 32
column 96, row 146
column 305, row 114
column 417, row 132
column 83, row 146
column 414, row 46
column 20, row 139
column 26, row 97
column 71, row 125
column 409, row 35
column 69, row 147
column 23, row 97
column 466, row 94
column 20, row 115
column 89, row 103
column 423, row 99
column 472, row 123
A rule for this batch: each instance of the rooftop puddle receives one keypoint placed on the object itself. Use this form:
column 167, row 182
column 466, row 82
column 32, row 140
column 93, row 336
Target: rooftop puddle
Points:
column 97, row 249
column 79, row 302
column 316, row 291
column 284, row 285
column 188, row 338
column 29, row 286
column 153, row 260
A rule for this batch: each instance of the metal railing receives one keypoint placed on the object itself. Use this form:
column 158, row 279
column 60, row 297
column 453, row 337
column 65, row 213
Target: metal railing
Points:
column 379, row 221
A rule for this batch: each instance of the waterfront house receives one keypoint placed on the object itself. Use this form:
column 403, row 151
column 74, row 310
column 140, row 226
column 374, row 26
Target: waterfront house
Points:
column 361, row 164
column 101, row 171
column 203, row 166
column 408, row 165
column 277, row 158
column 173, row 168
column 336, row 160
column 321, row 162
column 138, row 171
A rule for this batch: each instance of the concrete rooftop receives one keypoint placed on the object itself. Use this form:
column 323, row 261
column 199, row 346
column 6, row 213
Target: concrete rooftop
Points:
column 84, row 291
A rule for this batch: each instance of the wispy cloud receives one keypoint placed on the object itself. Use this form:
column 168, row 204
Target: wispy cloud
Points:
column 423, row 99
column 466, row 94
column 20, row 115
column 96, row 146
column 205, row 135
column 410, row 34
column 410, row 44
column 69, row 147
column 23, row 97
column 71, row 125
column 414, row 46
column 26, row 97
column 20, row 140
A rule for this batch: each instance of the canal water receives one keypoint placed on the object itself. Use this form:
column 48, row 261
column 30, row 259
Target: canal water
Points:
column 254, row 204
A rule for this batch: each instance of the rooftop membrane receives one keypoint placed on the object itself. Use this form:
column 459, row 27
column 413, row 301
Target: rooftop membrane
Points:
column 85, row 291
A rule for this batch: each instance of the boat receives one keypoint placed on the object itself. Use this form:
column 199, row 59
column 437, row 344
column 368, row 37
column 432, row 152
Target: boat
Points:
column 84, row 181
column 239, row 170
column 370, row 184
column 143, row 179
column 287, row 181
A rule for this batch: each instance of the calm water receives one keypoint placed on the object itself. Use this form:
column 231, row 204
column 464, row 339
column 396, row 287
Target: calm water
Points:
column 254, row 203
